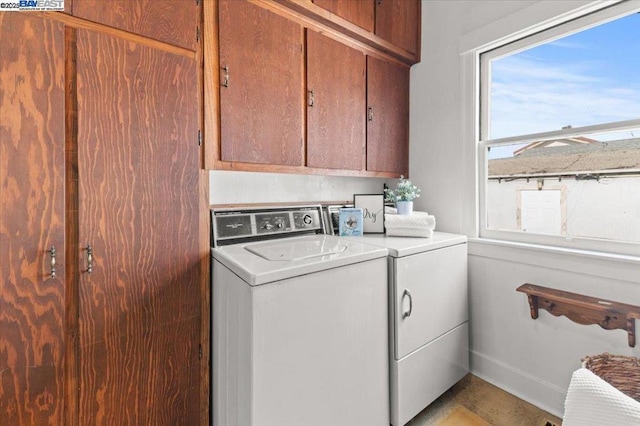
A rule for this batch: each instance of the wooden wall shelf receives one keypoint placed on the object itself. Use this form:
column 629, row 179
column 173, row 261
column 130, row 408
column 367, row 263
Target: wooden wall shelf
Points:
column 583, row 309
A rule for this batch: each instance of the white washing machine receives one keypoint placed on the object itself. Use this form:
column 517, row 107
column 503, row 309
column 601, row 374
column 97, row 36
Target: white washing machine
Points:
column 299, row 320
column 429, row 321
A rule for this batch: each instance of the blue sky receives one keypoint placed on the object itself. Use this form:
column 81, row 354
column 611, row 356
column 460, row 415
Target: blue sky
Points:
column 587, row 78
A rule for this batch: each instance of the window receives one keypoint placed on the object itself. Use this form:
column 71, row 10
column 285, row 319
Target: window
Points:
column 560, row 135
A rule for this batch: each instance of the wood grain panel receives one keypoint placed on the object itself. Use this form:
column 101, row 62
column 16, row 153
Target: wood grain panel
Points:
column 138, row 160
column 171, row 21
column 388, row 130
column 319, row 19
column 336, row 122
column 31, row 220
column 71, row 231
column 262, row 108
column 211, row 84
column 398, row 22
column 205, row 299
column 360, row 12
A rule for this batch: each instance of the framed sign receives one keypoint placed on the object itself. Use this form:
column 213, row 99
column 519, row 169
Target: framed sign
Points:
column 350, row 222
column 372, row 206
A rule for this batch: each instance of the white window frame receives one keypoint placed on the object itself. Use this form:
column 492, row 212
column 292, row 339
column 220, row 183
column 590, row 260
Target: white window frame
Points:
column 479, row 70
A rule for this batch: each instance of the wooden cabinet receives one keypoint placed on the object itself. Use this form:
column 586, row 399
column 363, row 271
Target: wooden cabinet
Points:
column 139, row 307
column 170, row 21
column 398, row 22
column 390, row 26
column 336, row 84
column 388, row 116
column 261, row 86
column 359, row 12
column 99, row 150
column 260, row 75
column 32, row 220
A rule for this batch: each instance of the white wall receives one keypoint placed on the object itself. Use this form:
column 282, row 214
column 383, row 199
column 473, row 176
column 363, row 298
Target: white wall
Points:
column 437, row 155
column 532, row 359
column 229, row 187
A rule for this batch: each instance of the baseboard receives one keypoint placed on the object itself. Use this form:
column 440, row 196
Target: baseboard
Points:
column 543, row 395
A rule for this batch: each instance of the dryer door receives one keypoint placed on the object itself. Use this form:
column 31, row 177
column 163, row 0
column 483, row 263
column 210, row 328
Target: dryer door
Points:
column 430, row 296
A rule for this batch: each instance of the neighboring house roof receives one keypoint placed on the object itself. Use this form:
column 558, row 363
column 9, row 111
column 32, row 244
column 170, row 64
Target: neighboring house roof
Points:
column 570, row 159
column 580, row 140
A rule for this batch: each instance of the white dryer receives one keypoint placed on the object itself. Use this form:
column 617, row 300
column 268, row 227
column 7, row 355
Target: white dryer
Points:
column 299, row 320
column 429, row 318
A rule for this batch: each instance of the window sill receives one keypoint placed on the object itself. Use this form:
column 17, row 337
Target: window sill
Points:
column 605, row 265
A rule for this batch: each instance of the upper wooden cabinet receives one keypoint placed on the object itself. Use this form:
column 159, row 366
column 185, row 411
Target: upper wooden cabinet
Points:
column 389, row 26
column 286, row 93
column 336, row 85
column 398, row 22
column 388, row 117
column 261, row 96
column 360, row 12
column 170, row 21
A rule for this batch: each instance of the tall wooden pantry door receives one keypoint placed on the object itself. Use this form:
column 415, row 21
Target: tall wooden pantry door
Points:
column 32, row 292
column 139, row 296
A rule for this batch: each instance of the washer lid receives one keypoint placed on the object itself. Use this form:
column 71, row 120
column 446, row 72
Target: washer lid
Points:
column 297, row 249
column 275, row 260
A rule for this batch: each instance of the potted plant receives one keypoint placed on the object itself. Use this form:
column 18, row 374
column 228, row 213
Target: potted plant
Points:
column 403, row 195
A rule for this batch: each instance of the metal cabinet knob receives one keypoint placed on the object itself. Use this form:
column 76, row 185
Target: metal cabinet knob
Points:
column 312, row 98
column 89, row 259
column 52, row 253
column 225, row 77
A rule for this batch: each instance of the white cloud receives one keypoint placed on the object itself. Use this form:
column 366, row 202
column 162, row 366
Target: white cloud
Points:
column 566, row 44
column 529, row 96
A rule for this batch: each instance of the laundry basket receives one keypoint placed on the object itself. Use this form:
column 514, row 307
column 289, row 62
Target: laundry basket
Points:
column 622, row 372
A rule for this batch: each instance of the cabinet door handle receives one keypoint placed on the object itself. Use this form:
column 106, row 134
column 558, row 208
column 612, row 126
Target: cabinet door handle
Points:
column 408, row 294
column 89, row 259
column 312, row 99
column 370, row 113
column 52, row 253
column 225, row 77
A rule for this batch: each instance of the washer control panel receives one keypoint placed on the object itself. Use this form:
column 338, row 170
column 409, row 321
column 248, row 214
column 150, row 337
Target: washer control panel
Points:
column 273, row 222
column 230, row 226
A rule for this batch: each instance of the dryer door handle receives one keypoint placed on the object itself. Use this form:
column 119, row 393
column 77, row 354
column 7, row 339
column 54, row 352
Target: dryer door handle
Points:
column 407, row 293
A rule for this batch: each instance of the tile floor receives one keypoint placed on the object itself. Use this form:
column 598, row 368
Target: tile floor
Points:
column 474, row 402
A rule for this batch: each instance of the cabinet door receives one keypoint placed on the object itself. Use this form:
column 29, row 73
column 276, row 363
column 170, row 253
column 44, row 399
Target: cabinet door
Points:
column 171, row 21
column 261, row 90
column 336, row 117
column 360, row 12
column 398, row 22
column 388, row 117
column 432, row 288
column 32, row 300
column 139, row 308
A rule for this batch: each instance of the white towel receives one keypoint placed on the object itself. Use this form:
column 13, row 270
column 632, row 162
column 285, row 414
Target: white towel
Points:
column 412, row 221
column 410, row 232
column 593, row 402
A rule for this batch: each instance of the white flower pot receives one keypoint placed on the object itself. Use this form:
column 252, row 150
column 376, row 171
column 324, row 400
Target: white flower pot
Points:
column 404, row 207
